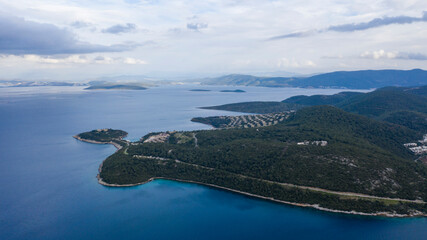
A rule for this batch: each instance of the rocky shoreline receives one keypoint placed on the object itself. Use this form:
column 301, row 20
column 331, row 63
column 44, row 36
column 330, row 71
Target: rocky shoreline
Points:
column 118, row 146
column 314, row 206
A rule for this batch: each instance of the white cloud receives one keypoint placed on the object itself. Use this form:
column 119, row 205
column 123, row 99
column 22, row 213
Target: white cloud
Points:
column 293, row 63
column 379, row 54
column 72, row 59
column 133, row 61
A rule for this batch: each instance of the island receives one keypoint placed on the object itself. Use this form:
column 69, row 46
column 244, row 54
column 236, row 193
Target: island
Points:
column 233, row 91
column 320, row 157
column 116, row 87
column 199, row 90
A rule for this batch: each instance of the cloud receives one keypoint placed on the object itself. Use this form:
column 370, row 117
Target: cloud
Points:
column 196, row 26
column 377, row 22
column 381, row 54
column 133, row 61
column 73, row 59
column 351, row 27
column 18, row 36
column 117, row 29
column 296, row 34
column 80, row 24
column 285, row 62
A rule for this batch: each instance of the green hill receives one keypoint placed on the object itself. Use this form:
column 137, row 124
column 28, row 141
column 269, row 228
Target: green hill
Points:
column 413, row 120
column 102, row 135
column 383, row 101
column 316, row 100
column 257, row 107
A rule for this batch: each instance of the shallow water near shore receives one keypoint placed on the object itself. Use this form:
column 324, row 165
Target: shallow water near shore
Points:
column 49, row 188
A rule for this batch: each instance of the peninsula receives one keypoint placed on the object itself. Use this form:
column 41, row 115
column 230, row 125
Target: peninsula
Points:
column 104, row 136
column 320, row 157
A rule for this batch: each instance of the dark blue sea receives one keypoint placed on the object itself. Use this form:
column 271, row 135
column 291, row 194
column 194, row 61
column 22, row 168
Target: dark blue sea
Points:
column 48, row 188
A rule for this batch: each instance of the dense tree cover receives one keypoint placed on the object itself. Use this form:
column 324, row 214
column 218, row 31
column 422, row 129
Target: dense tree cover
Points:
column 413, row 120
column 123, row 169
column 316, row 100
column 421, row 90
column 257, row 107
column 103, row 135
column 216, row 122
column 383, row 101
column 362, row 155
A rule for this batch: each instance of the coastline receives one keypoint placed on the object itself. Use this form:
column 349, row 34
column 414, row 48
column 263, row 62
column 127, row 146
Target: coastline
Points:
column 118, row 146
column 314, row 206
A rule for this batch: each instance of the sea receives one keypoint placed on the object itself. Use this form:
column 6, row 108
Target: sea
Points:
column 49, row 190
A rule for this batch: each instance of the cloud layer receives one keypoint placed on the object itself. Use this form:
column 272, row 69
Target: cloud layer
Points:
column 381, row 54
column 18, row 36
column 208, row 38
column 351, row 27
column 73, row 59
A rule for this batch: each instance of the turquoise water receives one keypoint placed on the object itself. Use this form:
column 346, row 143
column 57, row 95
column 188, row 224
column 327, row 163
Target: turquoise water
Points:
column 49, row 190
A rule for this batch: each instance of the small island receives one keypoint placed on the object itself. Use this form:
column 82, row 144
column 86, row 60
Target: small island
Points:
column 233, row 91
column 116, row 87
column 199, row 90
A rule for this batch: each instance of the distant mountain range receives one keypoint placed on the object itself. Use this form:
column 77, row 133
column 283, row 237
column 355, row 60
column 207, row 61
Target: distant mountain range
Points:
column 19, row 83
column 365, row 79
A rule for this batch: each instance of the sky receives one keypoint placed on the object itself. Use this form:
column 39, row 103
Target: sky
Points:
column 78, row 40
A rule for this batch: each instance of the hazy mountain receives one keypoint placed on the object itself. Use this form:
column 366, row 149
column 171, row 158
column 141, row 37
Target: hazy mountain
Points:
column 365, row 79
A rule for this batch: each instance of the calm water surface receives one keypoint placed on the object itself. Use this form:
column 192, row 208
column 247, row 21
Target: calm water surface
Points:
column 49, row 190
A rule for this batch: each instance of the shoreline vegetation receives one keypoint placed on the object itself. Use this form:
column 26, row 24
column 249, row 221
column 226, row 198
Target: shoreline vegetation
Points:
column 314, row 206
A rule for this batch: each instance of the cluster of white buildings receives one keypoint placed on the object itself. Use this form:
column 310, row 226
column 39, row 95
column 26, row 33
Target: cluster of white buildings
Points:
column 419, row 149
column 159, row 138
column 422, row 149
column 317, row 143
column 410, row 144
